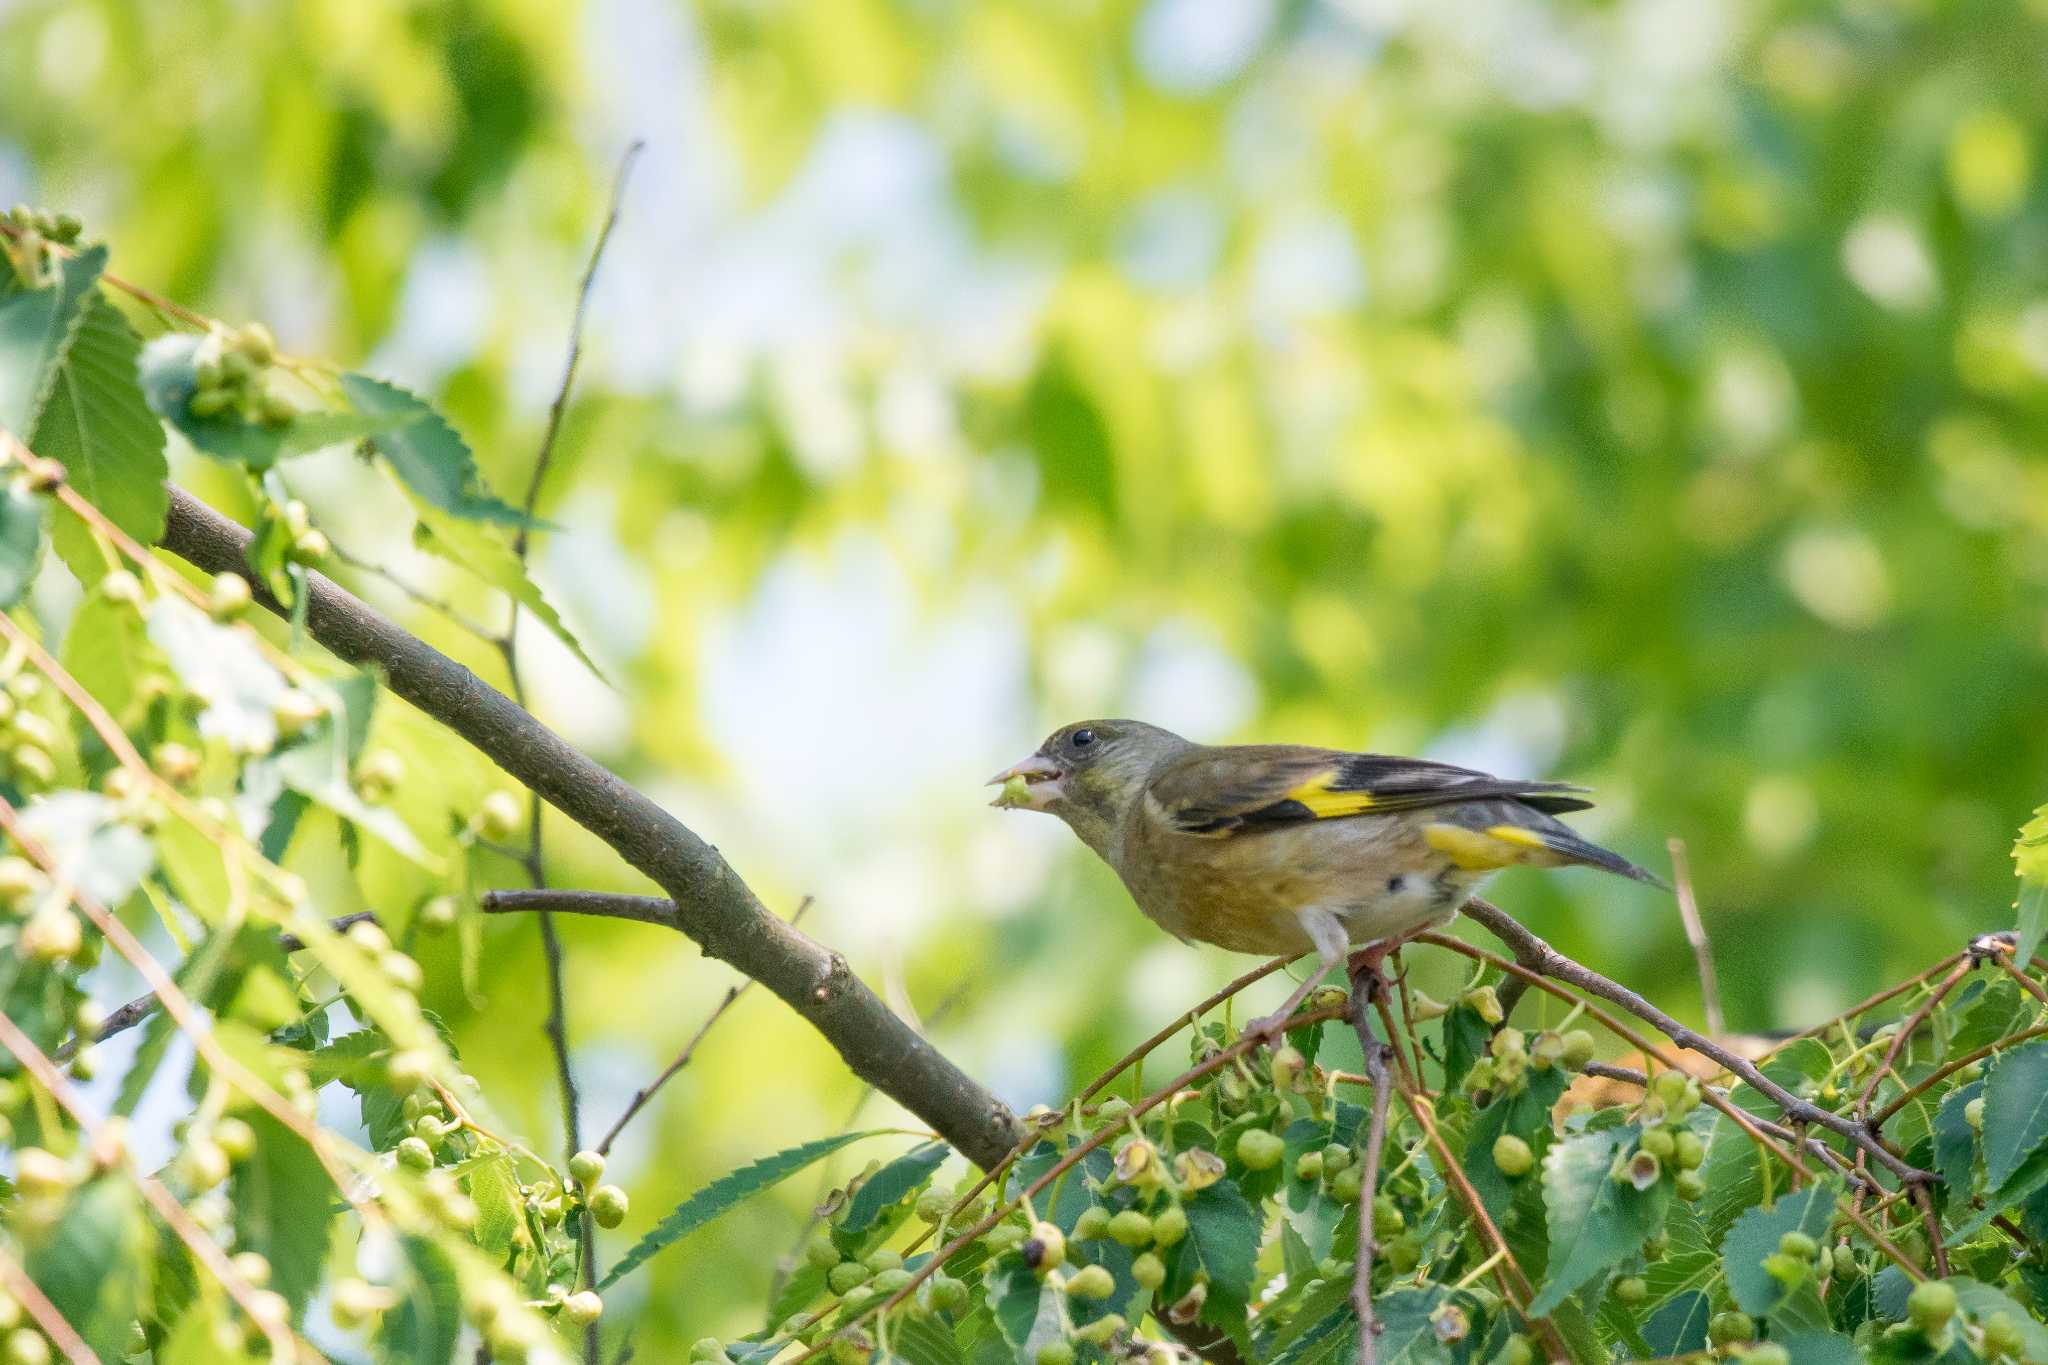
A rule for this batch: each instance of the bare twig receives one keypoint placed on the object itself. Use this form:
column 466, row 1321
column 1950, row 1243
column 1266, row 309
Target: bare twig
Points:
column 1540, row 958
column 1364, row 979
column 14, row 1279
column 142, row 1006
column 646, row 1092
column 1696, row 935
column 711, row 903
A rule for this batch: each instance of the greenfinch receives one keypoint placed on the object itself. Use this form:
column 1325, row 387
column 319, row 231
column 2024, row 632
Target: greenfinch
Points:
column 1284, row 849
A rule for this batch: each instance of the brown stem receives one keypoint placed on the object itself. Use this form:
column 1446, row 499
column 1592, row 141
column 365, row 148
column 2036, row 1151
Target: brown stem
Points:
column 1365, row 978
column 14, row 1279
column 1540, row 957
column 712, row 905
column 1696, row 935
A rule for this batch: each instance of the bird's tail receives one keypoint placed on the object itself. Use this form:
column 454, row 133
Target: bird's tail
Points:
column 1570, row 848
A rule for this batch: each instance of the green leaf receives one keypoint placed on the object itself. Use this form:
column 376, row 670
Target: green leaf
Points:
column 283, row 1202
column 21, row 543
column 2033, row 919
column 1820, row 1348
column 1465, row 1040
column 479, row 551
column 1524, row 1114
column 1594, row 1220
column 890, row 1184
column 1030, row 1312
column 37, row 327
column 169, row 378
column 1981, row 1300
column 94, row 851
column 2015, row 1109
column 2030, row 861
column 107, row 650
column 1224, row 1232
column 112, row 449
column 422, row 1327
column 425, row 453
column 1755, row 1235
column 1679, row 1325
column 1955, row 1141
column 1405, row 1334
column 91, row 1261
column 724, row 1192
column 494, row 1189
column 923, row 1341
column 316, row 765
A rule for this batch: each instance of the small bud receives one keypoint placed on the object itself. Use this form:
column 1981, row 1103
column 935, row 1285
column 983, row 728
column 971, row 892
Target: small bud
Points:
column 1973, row 1113
column 1485, row 1002
column 439, row 913
column 1309, row 1166
column 1689, row 1185
column 1149, row 1271
column 311, row 547
column 500, row 815
column 1101, row 1330
column 586, row 1167
column 1422, row 1009
column 295, row 711
column 1579, row 1047
column 1091, row 1282
column 1346, row 1185
column 228, row 596
column 884, row 1259
column 608, row 1205
column 236, row 1138
column 1516, row 1350
column 1512, row 1156
column 886, row 1282
column 845, row 1277
column 1336, row 1157
column 1287, row 1066
column 1931, row 1304
column 1259, row 1149
column 19, row 880
column 1658, row 1142
column 174, row 763
column 404, row 972
column 1798, row 1244
column 122, row 587
column 409, row 1068
column 203, row 1165
column 1687, row 1150
column 1726, row 1329
column 1387, row 1218
column 1169, row 1226
column 415, row 1153
column 254, row 341
column 379, row 774
column 40, row 1172
column 1131, row 1228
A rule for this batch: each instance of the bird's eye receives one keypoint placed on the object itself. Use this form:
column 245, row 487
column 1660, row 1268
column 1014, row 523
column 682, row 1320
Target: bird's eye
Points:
column 1081, row 739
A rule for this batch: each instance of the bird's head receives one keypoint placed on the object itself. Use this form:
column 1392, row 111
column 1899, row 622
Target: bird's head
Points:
column 1088, row 773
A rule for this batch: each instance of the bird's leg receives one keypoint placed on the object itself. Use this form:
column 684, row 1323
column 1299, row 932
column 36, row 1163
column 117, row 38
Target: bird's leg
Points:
column 1327, row 932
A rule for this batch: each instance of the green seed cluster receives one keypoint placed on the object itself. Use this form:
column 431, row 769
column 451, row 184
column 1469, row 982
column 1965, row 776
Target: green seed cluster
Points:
column 1667, row 1147
column 233, row 375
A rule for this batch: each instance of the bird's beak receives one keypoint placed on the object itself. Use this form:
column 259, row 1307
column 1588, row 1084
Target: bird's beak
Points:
column 1033, row 784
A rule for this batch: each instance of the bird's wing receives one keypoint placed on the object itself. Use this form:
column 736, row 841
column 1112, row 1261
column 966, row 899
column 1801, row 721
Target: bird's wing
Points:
column 1227, row 790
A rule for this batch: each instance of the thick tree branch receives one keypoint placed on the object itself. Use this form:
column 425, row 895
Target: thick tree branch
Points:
column 711, row 903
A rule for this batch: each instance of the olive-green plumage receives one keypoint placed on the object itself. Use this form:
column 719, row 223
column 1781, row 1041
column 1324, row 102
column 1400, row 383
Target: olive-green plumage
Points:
column 1287, row 849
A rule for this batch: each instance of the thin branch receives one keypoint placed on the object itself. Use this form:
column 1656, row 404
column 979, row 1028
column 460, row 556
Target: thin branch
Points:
column 601, row 904
column 14, row 1279
column 439, row 605
column 646, row 1092
column 1696, row 935
column 142, row 1006
column 1364, row 979
column 1541, row 958
column 712, row 904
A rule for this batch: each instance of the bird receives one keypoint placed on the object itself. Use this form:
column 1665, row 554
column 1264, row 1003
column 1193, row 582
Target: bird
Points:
column 1287, row 849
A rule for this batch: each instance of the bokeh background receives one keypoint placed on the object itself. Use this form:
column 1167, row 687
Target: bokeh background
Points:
column 1649, row 394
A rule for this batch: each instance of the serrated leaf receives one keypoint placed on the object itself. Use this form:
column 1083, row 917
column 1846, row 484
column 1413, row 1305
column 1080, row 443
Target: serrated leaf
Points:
column 923, row 1341
column 1404, row 1334
column 1465, row 1037
column 1029, row 1312
column 1955, row 1141
column 96, row 425
column 1594, row 1220
column 1224, row 1232
column 169, row 378
column 1524, row 1114
column 1755, row 1235
column 425, row 452
column 107, row 650
column 723, row 1193
column 494, row 1189
column 890, row 1184
column 422, row 1327
column 1981, row 1301
column 2015, row 1110
column 89, row 1262
column 36, row 330
column 478, row 550
column 283, row 1202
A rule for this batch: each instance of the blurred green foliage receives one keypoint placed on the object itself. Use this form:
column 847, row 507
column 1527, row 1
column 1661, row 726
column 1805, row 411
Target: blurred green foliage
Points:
column 1647, row 393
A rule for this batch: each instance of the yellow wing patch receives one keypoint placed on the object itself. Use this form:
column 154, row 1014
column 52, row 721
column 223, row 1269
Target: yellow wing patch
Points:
column 1483, row 850
column 1324, row 804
